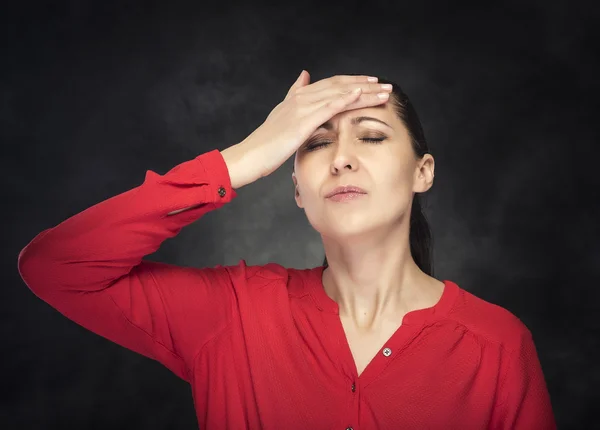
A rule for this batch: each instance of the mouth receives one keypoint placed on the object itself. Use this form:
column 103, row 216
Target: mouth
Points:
column 346, row 196
column 345, row 189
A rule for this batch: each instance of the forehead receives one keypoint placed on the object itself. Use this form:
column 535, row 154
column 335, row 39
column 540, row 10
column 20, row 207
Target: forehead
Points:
column 355, row 117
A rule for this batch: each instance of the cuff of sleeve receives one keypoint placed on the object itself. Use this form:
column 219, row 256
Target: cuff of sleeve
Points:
column 207, row 169
column 219, row 184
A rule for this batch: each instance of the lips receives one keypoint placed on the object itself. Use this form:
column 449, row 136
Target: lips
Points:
column 344, row 189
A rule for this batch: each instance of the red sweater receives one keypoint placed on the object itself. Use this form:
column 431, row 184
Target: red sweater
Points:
column 263, row 346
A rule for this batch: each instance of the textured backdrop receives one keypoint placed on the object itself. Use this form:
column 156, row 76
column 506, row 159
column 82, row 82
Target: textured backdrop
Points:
column 94, row 93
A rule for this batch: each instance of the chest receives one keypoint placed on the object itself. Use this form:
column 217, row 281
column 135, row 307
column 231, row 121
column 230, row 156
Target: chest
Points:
column 365, row 346
column 266, row 381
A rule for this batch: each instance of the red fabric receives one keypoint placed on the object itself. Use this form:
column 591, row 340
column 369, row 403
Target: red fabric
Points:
column 263, row 346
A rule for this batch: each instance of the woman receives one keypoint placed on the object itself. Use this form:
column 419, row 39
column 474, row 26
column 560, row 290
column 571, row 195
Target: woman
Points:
column 368, row 340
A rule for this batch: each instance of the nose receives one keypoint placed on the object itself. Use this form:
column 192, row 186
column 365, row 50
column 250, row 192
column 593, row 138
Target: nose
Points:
column 343, row 158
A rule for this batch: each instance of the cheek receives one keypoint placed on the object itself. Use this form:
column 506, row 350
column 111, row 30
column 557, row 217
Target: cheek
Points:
column 400, row 169
column 387, row 176
column 394, row 187
column 308, row 186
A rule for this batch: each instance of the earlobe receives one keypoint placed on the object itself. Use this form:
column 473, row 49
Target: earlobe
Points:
column 424, row 184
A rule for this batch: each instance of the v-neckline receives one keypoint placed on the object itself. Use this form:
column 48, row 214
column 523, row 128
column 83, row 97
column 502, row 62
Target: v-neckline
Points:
column 404, row 334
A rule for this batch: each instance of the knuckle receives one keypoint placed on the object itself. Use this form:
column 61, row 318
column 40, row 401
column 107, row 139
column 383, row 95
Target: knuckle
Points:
column 299, row 99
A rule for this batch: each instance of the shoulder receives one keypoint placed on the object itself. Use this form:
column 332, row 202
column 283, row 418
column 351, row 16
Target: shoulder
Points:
column 273, row 277
column 489, row 321
column 242, row 272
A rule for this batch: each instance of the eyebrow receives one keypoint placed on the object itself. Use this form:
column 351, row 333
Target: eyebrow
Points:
column 355, row 121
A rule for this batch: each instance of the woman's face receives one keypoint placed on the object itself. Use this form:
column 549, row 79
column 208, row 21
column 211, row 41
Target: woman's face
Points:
column 388, row 170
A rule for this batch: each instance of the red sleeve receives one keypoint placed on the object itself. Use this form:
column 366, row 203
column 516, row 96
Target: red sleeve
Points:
column 90, row 266
column 523, row 398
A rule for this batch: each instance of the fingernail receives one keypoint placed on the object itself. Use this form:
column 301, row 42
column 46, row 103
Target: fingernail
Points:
column 372, row 79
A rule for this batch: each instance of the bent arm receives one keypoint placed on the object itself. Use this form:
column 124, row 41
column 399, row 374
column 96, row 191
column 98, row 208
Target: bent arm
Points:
column 90, row 267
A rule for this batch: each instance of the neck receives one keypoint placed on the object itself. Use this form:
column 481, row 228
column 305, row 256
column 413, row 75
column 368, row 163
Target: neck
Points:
column 375, row 280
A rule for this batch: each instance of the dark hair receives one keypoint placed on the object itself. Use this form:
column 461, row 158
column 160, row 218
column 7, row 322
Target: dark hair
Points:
column 420, row 234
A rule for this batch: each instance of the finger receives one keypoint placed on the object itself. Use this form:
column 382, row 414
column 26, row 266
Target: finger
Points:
column 325, row 111
column 368, row 100
column 367, row 88
column 363, row 100
column 339, row 80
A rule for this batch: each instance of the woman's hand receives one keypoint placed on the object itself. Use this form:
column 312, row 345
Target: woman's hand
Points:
column 291, row 122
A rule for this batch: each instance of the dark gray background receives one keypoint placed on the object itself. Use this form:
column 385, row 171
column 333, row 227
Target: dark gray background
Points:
column 94, row 93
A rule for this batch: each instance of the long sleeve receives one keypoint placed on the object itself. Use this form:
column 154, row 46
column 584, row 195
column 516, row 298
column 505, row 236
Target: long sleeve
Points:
column 91, row 269
column 524, row 402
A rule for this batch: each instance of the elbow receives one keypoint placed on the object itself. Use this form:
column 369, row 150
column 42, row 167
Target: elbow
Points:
column 33, row 267
column 30, row 270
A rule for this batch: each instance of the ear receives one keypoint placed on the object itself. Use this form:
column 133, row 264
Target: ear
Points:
column 296, row 192
column 424, row 174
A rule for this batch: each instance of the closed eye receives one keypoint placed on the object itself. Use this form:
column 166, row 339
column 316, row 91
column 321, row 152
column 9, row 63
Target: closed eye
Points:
column 325, row 142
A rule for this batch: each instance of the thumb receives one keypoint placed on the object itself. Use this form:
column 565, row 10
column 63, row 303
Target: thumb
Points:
column 302, row 80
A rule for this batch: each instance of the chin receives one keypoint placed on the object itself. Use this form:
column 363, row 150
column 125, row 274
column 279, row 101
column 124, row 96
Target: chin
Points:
column 344, row 230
